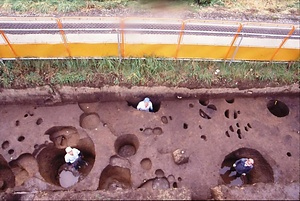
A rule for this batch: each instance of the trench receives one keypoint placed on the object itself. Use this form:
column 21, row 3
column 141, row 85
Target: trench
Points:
column 135, row 148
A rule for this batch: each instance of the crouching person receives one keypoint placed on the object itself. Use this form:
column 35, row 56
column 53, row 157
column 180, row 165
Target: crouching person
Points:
column 74, row 157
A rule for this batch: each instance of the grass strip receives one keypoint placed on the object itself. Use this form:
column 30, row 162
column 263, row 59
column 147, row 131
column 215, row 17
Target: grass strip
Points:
column 145, row 72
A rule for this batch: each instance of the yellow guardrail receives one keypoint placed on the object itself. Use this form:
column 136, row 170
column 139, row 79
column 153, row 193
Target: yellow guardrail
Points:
column 97, row 37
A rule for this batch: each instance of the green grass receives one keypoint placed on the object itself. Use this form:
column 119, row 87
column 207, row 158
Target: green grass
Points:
column 145, row 72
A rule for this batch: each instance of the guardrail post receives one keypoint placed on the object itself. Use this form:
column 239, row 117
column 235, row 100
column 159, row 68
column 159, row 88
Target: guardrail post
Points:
column 236, row 49
column 180, row 38
column 282, row 43
column 122, row 26
column 8, row 43
column 63, row 35
column 234, row 39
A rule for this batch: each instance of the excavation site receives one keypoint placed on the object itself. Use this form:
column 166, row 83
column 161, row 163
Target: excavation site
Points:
column 184, row 149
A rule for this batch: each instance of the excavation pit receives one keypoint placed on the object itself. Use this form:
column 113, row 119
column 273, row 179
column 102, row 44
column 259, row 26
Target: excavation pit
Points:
column 126, row 145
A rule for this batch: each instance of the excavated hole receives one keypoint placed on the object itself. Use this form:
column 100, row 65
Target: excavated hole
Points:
column 63, row 136
column 115, row 178
column 200, row 126
column 235, row 114
column 21, row 138
column 213, row 107
column 239, row 133
column 155, row 104
column 148, row 131
column 171, row 118
column 17, row 123
column 227, row 134
column 230, row 100
column 231, row 128
column 203, row 114
column 191, row 105
column 52, row 163
column 89, row 121
column 11, row 151
column 289, row 154
column 262, row 171
column 164, row 119
column 278, row 108
column 126, row 145
column 39, row 121
column 248, row 124
column 246, row 128
column 203, row 137
column 227, row 114
column 5, row 144
column 157, row 131
column 204, row 102
column 7, row 177
column 185, row 125
column 159, row 173
column 237, row 125
column 146, row 164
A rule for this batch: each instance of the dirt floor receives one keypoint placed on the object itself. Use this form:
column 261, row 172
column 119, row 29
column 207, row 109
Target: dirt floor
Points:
column 188, row 142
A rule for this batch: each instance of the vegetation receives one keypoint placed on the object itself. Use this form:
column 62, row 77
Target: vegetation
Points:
column 145, row 72
column 57, row 6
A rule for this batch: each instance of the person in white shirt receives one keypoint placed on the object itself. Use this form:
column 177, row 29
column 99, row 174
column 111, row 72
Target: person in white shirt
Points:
column 74, row 158
column 145, row 105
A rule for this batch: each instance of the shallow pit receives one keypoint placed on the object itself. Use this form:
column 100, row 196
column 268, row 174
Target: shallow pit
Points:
column 5, row 144
column 89, row 121
column 146, row 164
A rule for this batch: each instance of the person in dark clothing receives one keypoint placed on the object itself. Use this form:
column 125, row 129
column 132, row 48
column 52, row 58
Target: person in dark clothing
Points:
column 243, row 166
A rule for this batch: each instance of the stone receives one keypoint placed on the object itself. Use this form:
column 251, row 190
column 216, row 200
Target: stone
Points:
column 180, row 156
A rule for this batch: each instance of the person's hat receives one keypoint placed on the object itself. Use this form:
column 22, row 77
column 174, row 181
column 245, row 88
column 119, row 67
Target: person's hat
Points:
column 251, row 160
column 147, row 99
column 68, row 149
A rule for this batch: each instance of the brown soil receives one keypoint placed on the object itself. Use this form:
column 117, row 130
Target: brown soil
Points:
column 128, row 149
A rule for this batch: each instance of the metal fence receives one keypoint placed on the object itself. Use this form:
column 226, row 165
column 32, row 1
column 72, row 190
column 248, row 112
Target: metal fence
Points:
column 97, row 37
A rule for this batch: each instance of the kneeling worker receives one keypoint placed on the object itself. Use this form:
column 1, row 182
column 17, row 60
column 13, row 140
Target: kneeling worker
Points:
column 74, row 158
column 243, row 166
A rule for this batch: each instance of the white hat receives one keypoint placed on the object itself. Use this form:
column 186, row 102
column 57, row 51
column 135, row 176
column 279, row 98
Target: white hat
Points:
column 68, row 149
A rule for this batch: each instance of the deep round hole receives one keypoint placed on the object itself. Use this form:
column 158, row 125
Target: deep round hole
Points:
column 191, row 105
column 200, row 126
column 231, row 128
column 126, row 145
column 237, row 125
column 39, row 121
column 26, row 115
column 175, row 185
column 203, row 137
column 235, row 114
column 246, row 128
column 289, row 154
column 141, row 129
column 227, row 114
column 262, row 171
column 21, row 138
column 227, row 134
column 185, row 125
column 230, row 100
column 204, row 102
column 278, row 108
column 11, row 151
column 17, row 123
column 146, row 164
column 5, row 144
